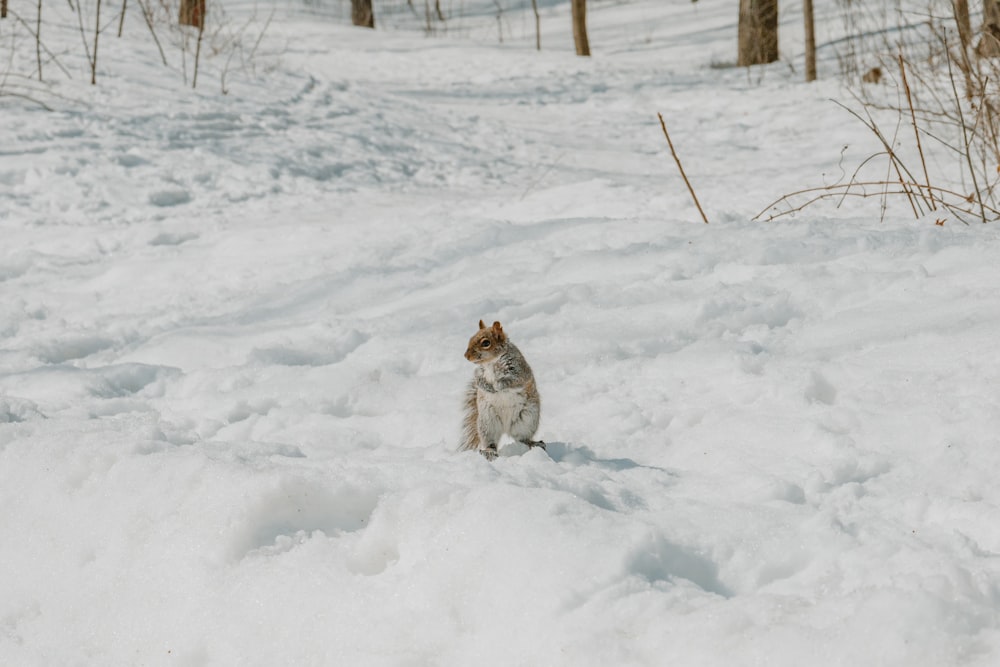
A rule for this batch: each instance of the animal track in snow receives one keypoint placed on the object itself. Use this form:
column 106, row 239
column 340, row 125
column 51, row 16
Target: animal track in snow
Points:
column 167, row 198
column 16, row 410
column 320, row 353
column 169, row 239
column 820, row 390
column 59, row 386
column 72, row 347
column 661, row 560
column 298, row 508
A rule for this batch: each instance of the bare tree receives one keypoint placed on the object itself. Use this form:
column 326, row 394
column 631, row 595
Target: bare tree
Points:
column 758, row 32
column 362, row 14
column 807, row 12
column 192, row 13
column 580, row 27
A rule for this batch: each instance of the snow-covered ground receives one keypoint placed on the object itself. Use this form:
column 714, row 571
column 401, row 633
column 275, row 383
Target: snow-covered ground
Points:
column 231, row 371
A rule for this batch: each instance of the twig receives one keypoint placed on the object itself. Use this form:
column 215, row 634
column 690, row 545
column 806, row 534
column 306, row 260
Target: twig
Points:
column 990, row 129
column 854, row 176
column 38, row 40
column 916, row 131
column 235, row 45
column 197, row 52
column 83, row 34
column 897, row 165
column 256, row 44
column 121, row 19
column 538, row 26
column 8, row 93
column 499, row 20
column 838, row 190
column 681, row 168
column 97, row 34
column 883, row 194
column 965, row 140
column 148, row 15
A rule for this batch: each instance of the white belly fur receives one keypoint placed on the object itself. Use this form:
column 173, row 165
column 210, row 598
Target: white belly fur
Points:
column 502, row 406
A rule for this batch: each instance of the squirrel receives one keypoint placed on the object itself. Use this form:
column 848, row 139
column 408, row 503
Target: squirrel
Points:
column 502, row 397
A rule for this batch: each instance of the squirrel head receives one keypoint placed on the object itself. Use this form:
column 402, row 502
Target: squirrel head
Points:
column 487, row 343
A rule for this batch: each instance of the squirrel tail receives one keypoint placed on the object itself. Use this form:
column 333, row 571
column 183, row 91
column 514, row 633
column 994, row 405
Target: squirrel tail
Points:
column 470, row 430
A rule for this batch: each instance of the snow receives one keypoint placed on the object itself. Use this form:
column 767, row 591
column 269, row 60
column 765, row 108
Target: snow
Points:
column 231, row 358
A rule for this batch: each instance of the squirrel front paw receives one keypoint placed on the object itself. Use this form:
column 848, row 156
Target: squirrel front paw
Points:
column 490, row 452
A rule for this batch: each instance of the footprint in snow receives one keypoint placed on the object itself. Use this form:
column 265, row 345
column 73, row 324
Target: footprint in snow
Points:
column 296, row 509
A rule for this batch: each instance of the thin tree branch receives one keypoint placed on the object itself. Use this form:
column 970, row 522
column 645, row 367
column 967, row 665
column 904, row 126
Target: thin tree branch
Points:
column 965, row 140
column 147, row 14
column 916, row 132
column 97, row 34
column 38, row 40
column 32, row 30
column 828, row 191
column 681, row 168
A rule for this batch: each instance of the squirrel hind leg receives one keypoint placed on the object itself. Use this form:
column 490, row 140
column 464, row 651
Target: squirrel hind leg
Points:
column 524, row 427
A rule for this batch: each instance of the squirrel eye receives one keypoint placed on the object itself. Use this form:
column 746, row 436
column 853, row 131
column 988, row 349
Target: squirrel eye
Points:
column 485, row 344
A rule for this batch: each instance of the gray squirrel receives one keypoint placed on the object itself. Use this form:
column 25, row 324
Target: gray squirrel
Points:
column 502, row 397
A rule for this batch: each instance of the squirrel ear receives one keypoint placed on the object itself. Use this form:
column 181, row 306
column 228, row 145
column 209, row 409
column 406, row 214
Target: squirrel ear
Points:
column 481, row 325
column 497, row 327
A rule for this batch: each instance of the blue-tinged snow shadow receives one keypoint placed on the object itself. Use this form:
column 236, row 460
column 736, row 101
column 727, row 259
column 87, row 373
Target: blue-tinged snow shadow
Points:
column 660, row 560
column 560, row 452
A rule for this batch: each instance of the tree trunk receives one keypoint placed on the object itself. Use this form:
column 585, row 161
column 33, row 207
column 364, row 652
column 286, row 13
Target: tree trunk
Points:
column 193, row 13
column 807, row 12
column 758, row 32
column 580, row 27
column 3, row 9
column 538, row 26
column 989, row 43
column 362, row 14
